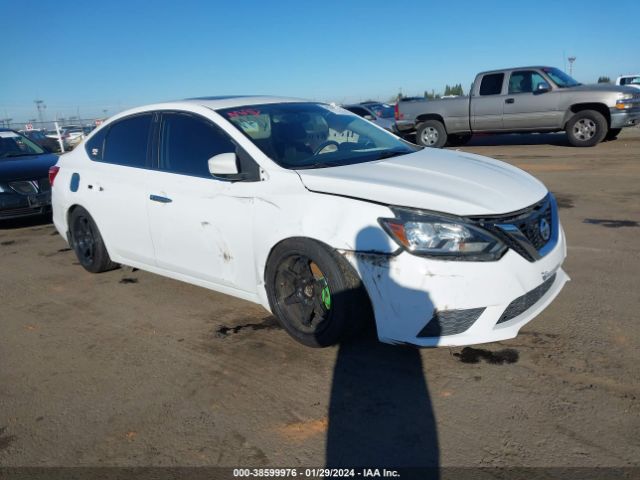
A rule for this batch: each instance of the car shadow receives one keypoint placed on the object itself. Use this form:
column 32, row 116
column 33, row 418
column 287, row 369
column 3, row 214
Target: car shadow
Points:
column 25, row 222
column 491, row 140
column 380, row 411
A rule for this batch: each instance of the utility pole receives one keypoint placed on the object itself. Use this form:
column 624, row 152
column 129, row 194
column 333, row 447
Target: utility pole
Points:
column 571, row 60
column 41, row 108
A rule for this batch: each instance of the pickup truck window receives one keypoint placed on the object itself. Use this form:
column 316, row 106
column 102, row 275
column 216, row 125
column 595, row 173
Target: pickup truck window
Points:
column 560, row 78
column 491, row 84
column 526, row 81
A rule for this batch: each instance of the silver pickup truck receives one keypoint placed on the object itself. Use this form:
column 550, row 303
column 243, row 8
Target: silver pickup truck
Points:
column 526, row 99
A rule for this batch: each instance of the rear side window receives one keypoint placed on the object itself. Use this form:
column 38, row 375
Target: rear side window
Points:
column 95, row 145
column 187, row 143
column 491, row 84
column 127, row 141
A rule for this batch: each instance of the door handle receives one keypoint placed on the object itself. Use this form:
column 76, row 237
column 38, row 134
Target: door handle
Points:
column 160, row 199
column 509, row 100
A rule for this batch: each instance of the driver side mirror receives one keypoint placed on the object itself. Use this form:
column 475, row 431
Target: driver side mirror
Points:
column 369, row 117
column 225, row 166
column 543, row 87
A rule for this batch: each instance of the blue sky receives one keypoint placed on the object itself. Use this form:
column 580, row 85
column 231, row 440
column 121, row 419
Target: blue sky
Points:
column 83, row 57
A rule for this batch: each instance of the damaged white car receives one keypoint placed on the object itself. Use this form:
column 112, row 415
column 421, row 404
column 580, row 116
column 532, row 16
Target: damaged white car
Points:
column 323, row 218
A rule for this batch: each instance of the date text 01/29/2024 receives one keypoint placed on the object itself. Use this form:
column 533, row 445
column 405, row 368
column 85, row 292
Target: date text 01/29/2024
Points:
column 315, row 473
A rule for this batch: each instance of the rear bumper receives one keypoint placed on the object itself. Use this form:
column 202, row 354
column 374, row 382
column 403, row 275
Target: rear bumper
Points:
column 427, row 303
column 625, row 118
column 405, row 126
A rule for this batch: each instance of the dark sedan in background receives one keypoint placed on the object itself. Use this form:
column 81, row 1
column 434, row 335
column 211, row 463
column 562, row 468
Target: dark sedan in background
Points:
column 39, row 137
column 24, row 176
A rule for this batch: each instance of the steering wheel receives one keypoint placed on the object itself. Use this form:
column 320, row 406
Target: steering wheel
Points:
column 324, row 145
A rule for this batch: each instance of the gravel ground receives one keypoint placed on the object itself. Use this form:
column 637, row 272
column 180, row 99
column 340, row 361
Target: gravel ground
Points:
column 128, row 368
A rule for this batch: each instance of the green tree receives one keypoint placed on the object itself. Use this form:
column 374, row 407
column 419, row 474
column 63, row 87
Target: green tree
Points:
column 604, row 80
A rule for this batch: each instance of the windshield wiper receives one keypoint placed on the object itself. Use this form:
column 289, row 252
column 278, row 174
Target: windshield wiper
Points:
column 314, row 165
column 391, row 153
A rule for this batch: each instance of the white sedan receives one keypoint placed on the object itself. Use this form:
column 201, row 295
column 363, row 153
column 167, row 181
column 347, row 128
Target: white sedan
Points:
column 325, row 219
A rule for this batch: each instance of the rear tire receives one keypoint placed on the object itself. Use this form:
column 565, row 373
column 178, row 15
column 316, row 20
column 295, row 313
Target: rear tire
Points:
column 586, row 128
column 315, row 294
column 87, row 242
column 612, row 134
column 431, row 134
column 458, row 140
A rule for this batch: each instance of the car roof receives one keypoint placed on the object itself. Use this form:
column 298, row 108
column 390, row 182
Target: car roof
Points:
column 230, row 101
column 529, row 67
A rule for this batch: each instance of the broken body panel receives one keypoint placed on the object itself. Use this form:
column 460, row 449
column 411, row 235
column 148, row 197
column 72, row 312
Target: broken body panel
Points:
column 219, row 234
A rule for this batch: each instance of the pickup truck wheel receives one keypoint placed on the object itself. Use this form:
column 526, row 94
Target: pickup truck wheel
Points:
column 458, row 140
column 586, row 128
column 315, row 294
column 612, row 134
column 431, row 134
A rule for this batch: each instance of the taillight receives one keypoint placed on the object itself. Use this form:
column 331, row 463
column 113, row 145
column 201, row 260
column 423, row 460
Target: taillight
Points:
column 396, row 112
column 53, row 171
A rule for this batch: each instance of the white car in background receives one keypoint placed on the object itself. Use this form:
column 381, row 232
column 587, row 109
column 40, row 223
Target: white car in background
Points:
column 629, row 80
column 318, row 215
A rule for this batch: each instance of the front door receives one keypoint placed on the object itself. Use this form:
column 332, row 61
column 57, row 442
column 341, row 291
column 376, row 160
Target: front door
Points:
column 202, row 227
column 527, row 108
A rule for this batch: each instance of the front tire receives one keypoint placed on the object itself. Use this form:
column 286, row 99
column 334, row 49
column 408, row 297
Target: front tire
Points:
column 87, row 242
column 586, row 128
column 431, row 134
column 315, row 294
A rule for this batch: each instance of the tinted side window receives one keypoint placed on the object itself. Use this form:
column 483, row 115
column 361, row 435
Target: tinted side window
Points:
column 358, row 111
column 95, row 145
column 188, row 142
column 491, row 84
column 127, row 140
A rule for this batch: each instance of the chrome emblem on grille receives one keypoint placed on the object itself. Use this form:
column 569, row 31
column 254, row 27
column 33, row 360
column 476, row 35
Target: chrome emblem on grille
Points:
column 545, row 229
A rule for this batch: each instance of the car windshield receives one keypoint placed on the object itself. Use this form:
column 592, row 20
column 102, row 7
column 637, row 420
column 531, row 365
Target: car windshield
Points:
column 561, row 79
column 13, row 145
column 312, row 135
column 381, row 110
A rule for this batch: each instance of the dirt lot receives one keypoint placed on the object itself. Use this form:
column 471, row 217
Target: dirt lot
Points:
column 128, row 368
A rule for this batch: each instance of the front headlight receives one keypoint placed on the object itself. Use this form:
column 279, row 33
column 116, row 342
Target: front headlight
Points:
column 448, row 238
column 624, row 101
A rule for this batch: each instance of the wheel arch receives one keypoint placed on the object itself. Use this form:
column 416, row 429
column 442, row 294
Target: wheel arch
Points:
column 579, row 107
column 431, row 116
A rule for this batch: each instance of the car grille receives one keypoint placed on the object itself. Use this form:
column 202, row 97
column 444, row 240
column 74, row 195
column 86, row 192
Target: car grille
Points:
column 18, row 212
column 532, row 232
column 29, row 187
column 450, row 322
column 526, row 301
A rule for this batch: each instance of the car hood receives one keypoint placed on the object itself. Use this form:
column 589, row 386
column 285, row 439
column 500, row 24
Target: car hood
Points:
column 602, row 87
column 438, row 180
column 26, row 168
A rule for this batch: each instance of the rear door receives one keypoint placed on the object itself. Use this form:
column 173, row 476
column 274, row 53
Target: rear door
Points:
column 116, row 187
column 525, row 107
column 487, row 103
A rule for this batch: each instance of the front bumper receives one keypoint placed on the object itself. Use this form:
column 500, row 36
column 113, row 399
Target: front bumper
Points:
column 625, row 118
column 14, row 205
column 495, row 299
